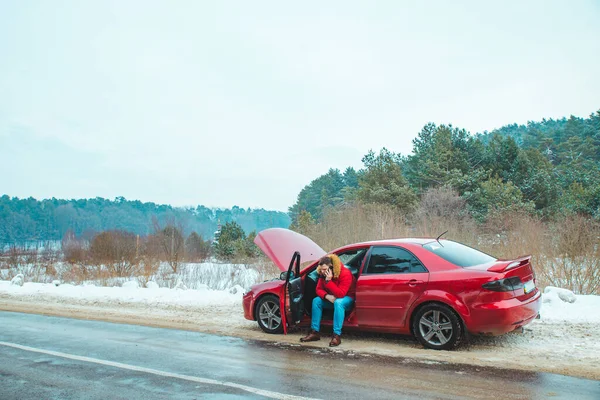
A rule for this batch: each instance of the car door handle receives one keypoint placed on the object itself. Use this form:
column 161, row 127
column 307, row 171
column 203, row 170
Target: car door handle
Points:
column 414, row 282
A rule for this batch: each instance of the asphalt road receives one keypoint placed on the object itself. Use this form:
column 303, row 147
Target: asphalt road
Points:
column 59, row 358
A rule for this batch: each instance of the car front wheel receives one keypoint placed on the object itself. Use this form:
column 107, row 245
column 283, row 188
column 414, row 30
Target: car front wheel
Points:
column 268, row 314
column 437, row 327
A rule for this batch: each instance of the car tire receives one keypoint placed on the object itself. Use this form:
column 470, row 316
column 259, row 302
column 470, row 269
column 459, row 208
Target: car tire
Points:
column 436, row 326
column 268, row 314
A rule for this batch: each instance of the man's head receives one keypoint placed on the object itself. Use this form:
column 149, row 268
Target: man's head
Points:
column 326, row 260
column 324, row 264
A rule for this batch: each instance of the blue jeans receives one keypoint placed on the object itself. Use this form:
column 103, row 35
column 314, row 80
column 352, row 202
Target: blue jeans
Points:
column 340, row 306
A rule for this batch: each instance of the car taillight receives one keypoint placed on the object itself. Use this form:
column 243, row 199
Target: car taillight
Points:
column 504, row 285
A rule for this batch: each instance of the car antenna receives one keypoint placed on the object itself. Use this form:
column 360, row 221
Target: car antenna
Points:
column 438, row 238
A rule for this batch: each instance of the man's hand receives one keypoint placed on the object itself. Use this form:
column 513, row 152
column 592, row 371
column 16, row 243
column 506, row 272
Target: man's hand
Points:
column 330, row 298
column 328, row 275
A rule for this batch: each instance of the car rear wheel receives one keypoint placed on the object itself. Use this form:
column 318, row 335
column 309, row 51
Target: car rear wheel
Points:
column 437, row 327
column 268, row 314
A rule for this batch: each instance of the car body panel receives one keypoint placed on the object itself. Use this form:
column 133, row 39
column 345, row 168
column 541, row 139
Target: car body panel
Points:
column 250, row 298
column 433, row 295
column 280, row 245
column 504, row 316
column 383, row 300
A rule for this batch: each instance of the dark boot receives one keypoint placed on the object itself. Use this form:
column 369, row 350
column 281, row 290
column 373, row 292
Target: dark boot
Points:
column 313, row 336
column 336, row 340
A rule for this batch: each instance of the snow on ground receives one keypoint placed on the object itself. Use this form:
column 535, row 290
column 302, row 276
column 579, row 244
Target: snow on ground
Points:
column 554, row 309
column 562, row 341
column 585, row 308
column 130, row 292
column 211, row 274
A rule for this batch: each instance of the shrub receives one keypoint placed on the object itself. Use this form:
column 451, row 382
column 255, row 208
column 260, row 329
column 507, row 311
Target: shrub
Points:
column 196, row 248
column 443, row 210
column 117, row 250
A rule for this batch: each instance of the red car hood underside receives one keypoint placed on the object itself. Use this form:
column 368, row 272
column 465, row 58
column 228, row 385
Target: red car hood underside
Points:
column 280, row 244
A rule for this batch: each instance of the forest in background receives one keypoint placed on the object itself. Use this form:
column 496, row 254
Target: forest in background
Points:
column 23, row 220
column 549, row 169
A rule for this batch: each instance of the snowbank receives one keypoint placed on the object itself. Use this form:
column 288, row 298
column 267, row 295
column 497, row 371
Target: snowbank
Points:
column 150, row 296
column 585, row 308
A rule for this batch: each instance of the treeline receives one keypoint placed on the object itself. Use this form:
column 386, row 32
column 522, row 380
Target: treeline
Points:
column 123, row 253
column 548, row 169
column 163, row 255
column 41, row 220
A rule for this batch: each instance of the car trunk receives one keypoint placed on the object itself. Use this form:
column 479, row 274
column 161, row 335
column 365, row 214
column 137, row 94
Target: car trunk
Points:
column 520, row 268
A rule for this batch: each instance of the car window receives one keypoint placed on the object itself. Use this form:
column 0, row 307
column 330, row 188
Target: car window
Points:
column 353, row 259
column 458, row 254
column 393, row 260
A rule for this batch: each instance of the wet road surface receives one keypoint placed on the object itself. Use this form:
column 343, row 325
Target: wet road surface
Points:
column 59, row 358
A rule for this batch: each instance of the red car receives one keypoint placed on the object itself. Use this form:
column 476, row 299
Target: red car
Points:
column 435, row 289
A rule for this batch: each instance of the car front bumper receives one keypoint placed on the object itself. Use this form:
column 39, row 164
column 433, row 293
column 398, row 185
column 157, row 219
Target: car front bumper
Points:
column 248, row 304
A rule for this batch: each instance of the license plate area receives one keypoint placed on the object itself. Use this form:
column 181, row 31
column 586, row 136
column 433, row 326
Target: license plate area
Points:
column 529, row 286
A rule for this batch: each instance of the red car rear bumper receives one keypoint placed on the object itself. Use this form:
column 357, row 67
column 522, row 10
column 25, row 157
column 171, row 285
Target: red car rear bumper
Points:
column 504, row 316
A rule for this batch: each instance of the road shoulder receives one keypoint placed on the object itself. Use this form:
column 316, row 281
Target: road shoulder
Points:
column 540, row 348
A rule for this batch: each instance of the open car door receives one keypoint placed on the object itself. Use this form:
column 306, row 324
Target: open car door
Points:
column 292, row 300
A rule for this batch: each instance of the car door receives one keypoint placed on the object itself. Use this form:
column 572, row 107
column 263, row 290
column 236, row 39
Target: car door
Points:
column 392, row 279
column 293, row 295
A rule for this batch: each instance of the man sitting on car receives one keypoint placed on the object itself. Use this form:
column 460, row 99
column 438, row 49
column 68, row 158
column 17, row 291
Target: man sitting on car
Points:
column 335, row 290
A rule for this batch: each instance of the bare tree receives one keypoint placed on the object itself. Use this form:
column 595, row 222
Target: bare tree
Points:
column 171, row 241
column 197, row 249
column 74, row 250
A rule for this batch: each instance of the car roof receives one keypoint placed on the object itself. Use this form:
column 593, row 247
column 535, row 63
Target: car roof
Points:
column 418, row 241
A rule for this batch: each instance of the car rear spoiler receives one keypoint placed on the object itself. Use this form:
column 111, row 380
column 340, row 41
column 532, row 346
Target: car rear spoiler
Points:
column 506, row 265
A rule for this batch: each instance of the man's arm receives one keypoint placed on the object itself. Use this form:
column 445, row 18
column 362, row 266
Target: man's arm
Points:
column 340, row 289
column 321, row 292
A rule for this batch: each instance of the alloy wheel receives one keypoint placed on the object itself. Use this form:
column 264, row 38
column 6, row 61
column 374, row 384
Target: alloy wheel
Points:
column 435, row 327
column 269, row 315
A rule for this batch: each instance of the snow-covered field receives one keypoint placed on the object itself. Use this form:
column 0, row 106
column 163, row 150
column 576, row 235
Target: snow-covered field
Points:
column 130, row 292
column 564, row 340
column 213, row 275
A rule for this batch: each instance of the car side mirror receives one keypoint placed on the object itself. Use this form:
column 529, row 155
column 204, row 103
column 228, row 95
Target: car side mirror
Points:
column 283, row 276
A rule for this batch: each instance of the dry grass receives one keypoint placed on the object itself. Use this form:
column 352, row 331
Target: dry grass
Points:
column 216, row 276
column 357, row 223
column 565, row 253
column 36, row 264
column 573, row 259
column 266, row 269
column 80, row 273
column 443, row 210
column 148, row 268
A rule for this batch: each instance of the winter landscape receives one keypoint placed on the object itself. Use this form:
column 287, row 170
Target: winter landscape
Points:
column 562, row 341
column 162, row 163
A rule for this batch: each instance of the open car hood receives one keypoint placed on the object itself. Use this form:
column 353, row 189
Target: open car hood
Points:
column 280, row 244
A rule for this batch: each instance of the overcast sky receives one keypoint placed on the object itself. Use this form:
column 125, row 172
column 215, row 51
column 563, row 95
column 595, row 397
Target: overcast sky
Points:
column 244, row 103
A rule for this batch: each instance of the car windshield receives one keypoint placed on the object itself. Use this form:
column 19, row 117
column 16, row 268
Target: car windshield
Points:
column 458, row 254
